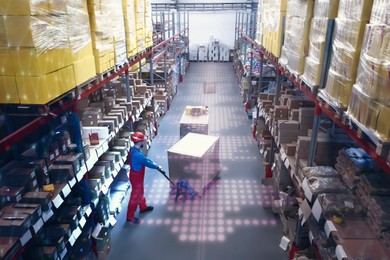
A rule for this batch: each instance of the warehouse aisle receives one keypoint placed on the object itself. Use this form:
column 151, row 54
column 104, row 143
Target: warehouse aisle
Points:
column 229, row 221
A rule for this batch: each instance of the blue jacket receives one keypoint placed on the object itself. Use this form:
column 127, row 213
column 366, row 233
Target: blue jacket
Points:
column 138, row 160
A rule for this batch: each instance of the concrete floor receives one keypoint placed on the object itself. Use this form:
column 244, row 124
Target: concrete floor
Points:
column 229, row 221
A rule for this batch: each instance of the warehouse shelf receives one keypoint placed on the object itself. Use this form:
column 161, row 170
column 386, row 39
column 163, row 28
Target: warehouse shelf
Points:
column 370, row 146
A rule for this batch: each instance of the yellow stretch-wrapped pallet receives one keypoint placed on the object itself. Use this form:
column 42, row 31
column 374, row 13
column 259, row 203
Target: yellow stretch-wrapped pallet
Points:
column 370, row 98
column 352, row 17
column 323, row 11
column 36, row 40
column 140, row 24
column 130, row 29
column 118, row 29
column 101, row 33
column 296, row 41
column 80, row 40
column 148, row 24
column 274, row 11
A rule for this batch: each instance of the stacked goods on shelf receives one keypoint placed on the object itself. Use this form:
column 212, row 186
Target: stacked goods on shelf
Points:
column 35, row 53
column 140, row 24
column 260, row 22
column 323, row 11
column 130, row 29
column 370, row 98
column 351, row 164
column 148, row 24
column 275, row 11
column 296, row 36
column 101, row 33
column 347, row 41
column 80, row 41
column 117, row 27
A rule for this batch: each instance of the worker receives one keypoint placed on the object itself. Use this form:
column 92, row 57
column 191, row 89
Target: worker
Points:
column 138, row 161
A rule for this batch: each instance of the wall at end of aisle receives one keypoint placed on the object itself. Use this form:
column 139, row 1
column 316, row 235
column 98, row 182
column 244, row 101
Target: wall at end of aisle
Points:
column 220, row 26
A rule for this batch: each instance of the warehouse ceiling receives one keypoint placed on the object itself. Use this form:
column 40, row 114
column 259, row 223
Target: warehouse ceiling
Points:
column 204, row 5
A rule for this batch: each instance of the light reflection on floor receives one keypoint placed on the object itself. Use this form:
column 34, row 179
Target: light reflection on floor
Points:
column 209, row 217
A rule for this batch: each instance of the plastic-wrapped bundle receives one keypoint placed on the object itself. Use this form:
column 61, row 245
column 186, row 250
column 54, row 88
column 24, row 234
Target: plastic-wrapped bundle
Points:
column 118, row 30
column 346, row 204
column 148, row 24
column 101, row 33
column 348, row 35
column 373, row 79
column 319, row 185
column 320, row 171
column 130, row 29
column 371, row 94
column 296, row 44
column 140, row 24
column 23, row 7
column 358, row 10
column 78, row 25
column 380, row 12
column 274, row 11
column 326, row 8
column 323, row 11
column 376, row 183
column 80, row 39
column 260, row 21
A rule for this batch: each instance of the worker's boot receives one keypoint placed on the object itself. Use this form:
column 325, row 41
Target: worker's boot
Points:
column 148, row 208
column 133, row 221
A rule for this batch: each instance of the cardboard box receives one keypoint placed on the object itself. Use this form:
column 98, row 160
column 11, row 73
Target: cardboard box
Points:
column 61, row 173
column 194, row 124
column 84, row 69
column 30, row 62
column 9, row 247
column 9, row 90
column 198, row 165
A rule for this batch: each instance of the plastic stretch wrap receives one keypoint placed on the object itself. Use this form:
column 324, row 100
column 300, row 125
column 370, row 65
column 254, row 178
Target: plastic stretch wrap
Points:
column 347, row 204
column 357, row 10
column 148, row 24
column 300, row 8
column 319, row 185
column 348, row 34
column 130, row 29
column 338, row 89
column 296, row 42
column 373, row 78
column 78, row 25
column 326, row 8
column 118, row 30
column 274, row 11
column 320, row 171
column 380, row 12
column 370, row 113
column 23, row 7
column 40, row 32
column 100, row 19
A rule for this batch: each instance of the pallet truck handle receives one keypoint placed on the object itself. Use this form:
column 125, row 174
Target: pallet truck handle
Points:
column 165, row 175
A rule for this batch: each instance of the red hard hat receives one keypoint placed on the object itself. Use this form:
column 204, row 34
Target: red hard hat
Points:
column 138, row 137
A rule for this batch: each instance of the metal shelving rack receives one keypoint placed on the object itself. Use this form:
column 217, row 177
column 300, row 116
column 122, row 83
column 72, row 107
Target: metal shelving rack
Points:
column 64, row 109
column 362, row 137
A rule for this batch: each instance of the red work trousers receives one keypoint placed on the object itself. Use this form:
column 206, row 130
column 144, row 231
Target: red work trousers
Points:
column 137, row 197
